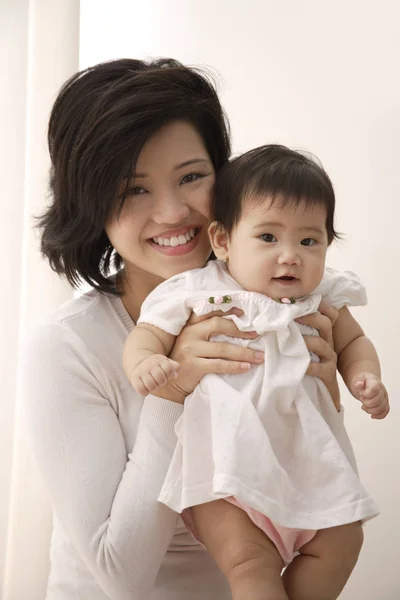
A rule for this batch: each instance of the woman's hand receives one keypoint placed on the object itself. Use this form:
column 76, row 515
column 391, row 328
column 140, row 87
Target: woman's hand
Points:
column 198, row 356
column 322, row 346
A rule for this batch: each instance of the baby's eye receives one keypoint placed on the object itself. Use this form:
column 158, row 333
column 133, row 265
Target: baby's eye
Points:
column 268, row 237
column 308, row 242
column 190, row 177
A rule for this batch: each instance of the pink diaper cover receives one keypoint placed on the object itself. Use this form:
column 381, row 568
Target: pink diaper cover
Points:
column 287, row 541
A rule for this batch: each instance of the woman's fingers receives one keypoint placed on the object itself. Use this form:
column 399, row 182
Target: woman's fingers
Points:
column 321, row 348
column 197, row 355
column 213, row 324
column 320, row 322
column 323, row 321
column 326, row 372
column 227, row 351
column 329, row 311
column 221, row 366
column 216, row 313
column 200, row 346
column 221, row 326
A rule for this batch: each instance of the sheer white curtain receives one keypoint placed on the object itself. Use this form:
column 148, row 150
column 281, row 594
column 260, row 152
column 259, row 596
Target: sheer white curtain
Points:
column 39, row 50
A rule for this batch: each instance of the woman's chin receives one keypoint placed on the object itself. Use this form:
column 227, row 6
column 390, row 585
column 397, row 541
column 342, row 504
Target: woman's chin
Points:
column 172, row 263
column 187, row 265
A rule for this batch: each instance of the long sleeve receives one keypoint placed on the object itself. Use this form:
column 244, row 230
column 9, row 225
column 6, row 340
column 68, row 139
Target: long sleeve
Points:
column 105, row 500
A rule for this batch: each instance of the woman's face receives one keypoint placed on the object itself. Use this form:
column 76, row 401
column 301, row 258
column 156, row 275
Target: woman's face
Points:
column 162, row 229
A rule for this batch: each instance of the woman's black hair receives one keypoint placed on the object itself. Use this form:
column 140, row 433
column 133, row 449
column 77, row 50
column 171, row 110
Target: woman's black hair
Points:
column 99, row 123
column 276, row 173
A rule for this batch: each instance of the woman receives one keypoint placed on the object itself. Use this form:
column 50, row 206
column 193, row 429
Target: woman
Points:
column 134, row 148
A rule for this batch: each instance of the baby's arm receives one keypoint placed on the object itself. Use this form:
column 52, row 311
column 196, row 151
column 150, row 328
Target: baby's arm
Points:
column 358, row 364
column 145, row 359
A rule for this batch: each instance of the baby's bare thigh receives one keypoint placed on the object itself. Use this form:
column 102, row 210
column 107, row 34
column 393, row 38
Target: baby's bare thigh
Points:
column 340, row 545
column 230, row 535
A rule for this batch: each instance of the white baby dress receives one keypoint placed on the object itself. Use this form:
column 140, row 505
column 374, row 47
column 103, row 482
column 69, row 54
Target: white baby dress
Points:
column 270, row 437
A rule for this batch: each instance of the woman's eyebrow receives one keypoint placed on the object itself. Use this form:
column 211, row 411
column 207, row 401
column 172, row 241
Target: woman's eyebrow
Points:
column 186, row 163
column 192, row 161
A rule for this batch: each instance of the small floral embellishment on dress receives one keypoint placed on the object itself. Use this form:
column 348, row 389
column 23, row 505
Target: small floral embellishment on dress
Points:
column 286, row 300
column 220, row 300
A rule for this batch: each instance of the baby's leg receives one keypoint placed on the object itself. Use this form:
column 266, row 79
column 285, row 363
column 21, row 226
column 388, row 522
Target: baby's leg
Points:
column 244, row 554
column 322, row 569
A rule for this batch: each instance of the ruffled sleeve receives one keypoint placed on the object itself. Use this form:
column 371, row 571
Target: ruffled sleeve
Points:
column 342, row 288
column 166, row 307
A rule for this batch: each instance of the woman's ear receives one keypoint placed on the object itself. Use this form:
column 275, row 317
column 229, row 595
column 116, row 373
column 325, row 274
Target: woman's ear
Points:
column 219, row 240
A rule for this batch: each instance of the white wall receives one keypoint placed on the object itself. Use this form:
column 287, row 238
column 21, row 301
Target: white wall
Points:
column 38, row 51
column 13, row 69
column 322, row 76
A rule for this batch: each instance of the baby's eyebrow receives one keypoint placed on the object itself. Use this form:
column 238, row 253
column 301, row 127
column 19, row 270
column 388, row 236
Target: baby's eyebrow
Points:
column 308, row 229
column 313, row 229
column 269, row 224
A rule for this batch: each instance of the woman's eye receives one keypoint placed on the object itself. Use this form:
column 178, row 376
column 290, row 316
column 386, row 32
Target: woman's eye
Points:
column 190, row 177
column 308, row 242
column 136, row 190
column 268, row 237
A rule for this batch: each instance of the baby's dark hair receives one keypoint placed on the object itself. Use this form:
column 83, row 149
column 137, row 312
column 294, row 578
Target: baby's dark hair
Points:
column 277, row 172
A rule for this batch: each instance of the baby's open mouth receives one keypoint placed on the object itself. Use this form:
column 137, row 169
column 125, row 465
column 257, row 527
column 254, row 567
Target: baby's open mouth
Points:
column 286, row 278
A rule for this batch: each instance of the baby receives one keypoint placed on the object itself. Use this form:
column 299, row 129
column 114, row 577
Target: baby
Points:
column 263, row 471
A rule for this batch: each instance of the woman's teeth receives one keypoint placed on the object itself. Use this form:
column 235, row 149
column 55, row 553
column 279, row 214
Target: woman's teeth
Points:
column 174, row 241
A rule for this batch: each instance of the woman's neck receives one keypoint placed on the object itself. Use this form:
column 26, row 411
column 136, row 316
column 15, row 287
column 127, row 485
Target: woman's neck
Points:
column 134, row 287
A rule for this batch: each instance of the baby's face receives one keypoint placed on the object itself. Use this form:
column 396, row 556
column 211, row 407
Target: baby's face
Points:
column 279, row 252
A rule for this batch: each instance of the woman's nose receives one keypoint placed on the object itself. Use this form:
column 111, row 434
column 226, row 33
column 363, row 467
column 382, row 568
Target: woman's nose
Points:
column 170, row 209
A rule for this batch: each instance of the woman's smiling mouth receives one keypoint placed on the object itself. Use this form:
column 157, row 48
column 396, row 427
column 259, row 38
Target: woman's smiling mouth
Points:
column 176, row 242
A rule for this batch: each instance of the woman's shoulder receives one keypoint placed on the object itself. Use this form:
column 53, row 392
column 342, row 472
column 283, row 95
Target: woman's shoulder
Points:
column 74, row 308
column 92, row 325
column 80, row 311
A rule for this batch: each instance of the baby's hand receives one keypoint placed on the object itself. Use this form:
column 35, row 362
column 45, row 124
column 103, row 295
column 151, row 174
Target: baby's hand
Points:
column 371, row 392
column 153, row 372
